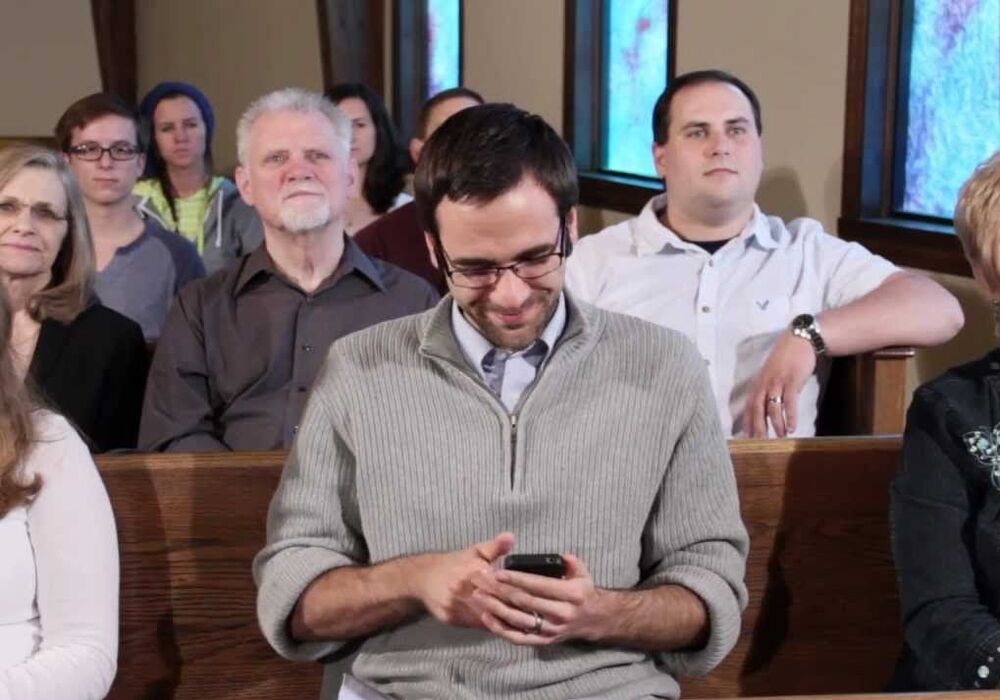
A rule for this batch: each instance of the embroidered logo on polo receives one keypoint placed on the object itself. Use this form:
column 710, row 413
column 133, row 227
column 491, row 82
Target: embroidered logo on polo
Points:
column 762, row 305
column 984, row 445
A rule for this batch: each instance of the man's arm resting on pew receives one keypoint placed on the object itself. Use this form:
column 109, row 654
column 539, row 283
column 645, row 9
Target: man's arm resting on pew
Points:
column 906, row 309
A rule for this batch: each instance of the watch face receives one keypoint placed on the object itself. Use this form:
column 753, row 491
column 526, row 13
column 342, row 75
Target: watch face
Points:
column 802, row 321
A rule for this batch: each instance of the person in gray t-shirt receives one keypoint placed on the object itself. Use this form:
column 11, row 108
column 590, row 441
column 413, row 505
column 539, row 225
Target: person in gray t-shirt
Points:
column 140, row 265
column 143, row 277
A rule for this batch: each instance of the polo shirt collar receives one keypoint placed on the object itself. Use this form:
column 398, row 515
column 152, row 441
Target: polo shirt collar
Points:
column 353, row 260
column 652, row 237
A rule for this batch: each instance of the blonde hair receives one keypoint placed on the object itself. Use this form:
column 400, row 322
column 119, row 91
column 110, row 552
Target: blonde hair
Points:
column 70, row 289
column 16, row 430
column 977, row 220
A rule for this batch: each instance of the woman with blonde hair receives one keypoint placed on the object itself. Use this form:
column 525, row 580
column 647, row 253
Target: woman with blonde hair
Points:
column 85, row 360
column 59, row 552
column 946, row 495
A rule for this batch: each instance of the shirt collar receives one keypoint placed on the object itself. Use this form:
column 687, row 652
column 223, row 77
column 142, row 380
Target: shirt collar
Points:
column 475, row 347
column 651, row 236
column 259, row 263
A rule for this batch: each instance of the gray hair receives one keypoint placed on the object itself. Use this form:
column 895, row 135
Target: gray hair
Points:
column 294, row 100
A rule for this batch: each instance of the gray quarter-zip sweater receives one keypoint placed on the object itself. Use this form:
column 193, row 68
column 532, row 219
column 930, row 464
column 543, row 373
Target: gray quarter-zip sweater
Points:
column 614, row 453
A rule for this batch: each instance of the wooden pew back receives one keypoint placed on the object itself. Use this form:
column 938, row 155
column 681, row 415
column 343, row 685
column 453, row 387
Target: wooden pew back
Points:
column 823, row 614
column 188, row 528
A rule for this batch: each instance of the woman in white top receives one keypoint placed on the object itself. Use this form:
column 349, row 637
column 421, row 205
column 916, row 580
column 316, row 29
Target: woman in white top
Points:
column 58, row 553
column 382, row 162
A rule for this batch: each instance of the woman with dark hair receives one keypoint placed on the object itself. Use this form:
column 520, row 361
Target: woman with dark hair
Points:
column 382, row 162
column 58, row 548
column 179, row 188
column 87, row 361
column 946, row 495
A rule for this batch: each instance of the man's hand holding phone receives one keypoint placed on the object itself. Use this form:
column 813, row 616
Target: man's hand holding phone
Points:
column 538, row 608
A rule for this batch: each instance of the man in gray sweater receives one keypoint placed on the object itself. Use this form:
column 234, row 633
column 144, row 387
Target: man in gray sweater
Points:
column 510, row 418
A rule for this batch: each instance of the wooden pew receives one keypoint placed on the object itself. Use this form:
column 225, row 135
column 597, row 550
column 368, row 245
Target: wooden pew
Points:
column 866, row 394
column 188, row 528
column 822, row 618
column 823, row 614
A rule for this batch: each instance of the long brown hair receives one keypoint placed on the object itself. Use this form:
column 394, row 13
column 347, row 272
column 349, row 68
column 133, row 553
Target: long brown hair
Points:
column 71, row 287
column 16, row 431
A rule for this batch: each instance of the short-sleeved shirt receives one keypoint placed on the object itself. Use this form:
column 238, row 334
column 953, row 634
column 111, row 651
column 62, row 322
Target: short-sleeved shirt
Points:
column 241, row 348
column 144, row 276
column 734, row 303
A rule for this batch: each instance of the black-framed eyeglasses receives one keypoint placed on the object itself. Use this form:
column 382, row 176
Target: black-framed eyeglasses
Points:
column 95, row 151
column 484, row 277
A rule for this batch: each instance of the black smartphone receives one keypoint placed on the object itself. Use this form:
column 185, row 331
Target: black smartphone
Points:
column 551, row 565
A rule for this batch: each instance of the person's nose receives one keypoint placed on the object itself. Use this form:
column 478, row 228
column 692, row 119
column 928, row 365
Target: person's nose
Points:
column 720, row 144
column 105, row 162
column 510, row 291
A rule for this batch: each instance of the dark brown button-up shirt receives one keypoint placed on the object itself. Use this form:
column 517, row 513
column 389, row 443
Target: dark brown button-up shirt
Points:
column 240, row 349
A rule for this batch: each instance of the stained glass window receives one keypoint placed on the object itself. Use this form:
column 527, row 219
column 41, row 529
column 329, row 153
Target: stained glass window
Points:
column 444, row 45
column 952, row 105
column 635, row 73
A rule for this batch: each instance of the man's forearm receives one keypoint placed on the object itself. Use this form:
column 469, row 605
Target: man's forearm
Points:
column 663, row 618
column 906, row 309
column 354, row 601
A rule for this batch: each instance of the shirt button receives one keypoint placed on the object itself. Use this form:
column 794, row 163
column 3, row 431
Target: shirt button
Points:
column 301, row 389
column 295, row 429
column 706, row 309
column 307, row 347
column 711, row 263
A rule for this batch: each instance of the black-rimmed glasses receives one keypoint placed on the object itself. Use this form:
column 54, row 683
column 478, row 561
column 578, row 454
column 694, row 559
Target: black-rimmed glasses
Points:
column 95, row 151
column 487, row 276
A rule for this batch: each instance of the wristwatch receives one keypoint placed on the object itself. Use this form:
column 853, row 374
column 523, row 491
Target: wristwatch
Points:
column 806, row 326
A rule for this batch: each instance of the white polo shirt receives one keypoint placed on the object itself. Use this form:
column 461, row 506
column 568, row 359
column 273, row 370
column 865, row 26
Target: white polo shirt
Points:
column 732, row 304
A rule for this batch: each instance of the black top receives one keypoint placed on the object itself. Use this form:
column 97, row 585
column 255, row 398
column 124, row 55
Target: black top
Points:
column 241, row 348
column 93, row 371
column 946, row 532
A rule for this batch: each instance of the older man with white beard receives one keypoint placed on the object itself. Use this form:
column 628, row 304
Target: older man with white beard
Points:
column 240, row 349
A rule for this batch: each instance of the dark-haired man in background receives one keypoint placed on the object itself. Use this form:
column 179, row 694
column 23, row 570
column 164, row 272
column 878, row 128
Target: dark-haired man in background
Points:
column 397, row 237
column 766, row 303
column 509, row 417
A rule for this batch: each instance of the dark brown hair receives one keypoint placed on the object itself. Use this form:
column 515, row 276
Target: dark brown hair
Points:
column 484, row 151
column 87, row 109
column 661, row 111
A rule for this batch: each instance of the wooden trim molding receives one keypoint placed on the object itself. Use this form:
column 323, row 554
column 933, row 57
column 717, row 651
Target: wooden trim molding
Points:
column 582, row 108
column 114, row 34
column 351, row 43
column 872, row 137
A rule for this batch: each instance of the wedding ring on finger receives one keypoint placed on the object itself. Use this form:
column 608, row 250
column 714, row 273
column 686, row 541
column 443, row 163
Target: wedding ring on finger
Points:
column 776, row 400
column 536, row 628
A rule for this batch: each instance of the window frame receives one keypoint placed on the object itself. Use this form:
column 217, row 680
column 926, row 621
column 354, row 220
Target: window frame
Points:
column 411, row 63
column 582, row 108
column 880, row 33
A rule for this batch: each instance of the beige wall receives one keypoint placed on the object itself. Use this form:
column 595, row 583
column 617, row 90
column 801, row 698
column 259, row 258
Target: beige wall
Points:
column 794, row 55
column 234, row 50
column 513, row 52
column 51, row 58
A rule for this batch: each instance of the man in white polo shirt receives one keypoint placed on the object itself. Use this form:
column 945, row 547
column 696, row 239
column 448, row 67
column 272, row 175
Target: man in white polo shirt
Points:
column 767, row 303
